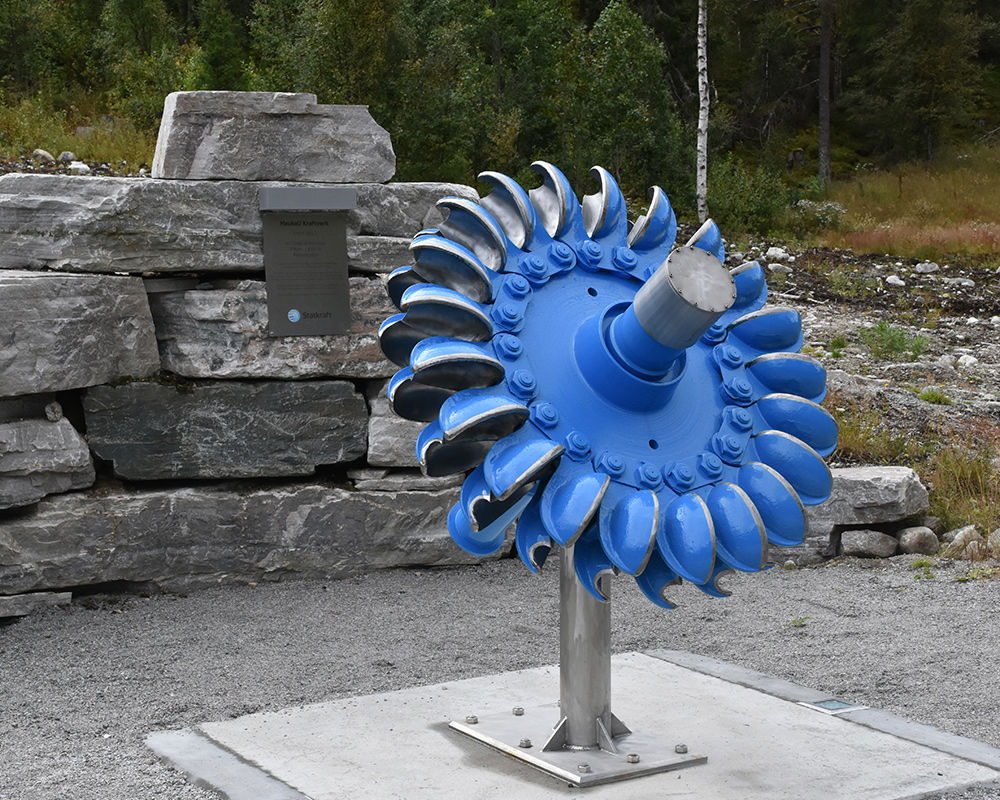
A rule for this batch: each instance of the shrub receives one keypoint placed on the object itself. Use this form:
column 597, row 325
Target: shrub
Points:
column 745, row 199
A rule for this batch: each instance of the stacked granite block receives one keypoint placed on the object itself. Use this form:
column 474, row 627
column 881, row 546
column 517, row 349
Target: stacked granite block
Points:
column 152, row 432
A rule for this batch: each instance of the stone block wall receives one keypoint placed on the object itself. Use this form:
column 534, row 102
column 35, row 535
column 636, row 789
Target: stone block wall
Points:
column 151, row 432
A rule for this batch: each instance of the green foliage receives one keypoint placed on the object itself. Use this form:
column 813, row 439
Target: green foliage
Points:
column 745, row 199
column 221, row 41
column 936, row 396
column 887, row 341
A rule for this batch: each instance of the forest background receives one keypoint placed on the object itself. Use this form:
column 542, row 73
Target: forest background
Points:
column 466, row 85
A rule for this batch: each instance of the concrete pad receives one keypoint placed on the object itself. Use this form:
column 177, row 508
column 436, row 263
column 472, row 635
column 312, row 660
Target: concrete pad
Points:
column 759, row 746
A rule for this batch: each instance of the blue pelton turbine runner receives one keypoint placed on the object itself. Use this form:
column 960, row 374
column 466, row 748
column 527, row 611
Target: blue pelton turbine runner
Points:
column 633, row 402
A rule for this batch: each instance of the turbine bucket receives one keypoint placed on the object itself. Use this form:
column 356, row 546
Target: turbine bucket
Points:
column 442, row 261
column 481, row 414
column 511, row 207
column 472, row 226
column 414, row 400
column 686, row 538
column 654, row 580
column 398, row 281
column 779, row 506
column 769, row 330
column 454, row 364
column 791, row 373
column 654, row 232
column 798, row 463
column 437, row 311
column 554, row 202
column 531, row 539
column 751, row 286
column 628, row 528
column 518, row 459
column 571, row 499
column 604, row 215
column 740, row 539
column 800, row 418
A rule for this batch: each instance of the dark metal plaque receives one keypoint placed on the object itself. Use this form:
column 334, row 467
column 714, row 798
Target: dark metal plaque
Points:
column 305, row 260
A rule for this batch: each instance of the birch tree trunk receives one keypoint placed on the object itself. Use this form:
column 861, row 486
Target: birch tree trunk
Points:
column 702, row 180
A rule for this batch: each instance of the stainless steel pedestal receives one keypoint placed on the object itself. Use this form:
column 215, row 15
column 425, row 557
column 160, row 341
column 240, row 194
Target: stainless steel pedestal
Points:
column 579, row 740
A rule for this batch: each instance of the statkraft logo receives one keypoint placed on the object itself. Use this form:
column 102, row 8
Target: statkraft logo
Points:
column 294, row 315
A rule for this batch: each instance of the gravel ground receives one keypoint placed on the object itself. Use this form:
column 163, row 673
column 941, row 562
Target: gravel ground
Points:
column 80, row 687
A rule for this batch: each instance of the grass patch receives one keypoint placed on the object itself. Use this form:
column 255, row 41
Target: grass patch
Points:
column 923, row 211
column 965, row 486
column 837, row 345
column 28, row 124
column 935, row 396
column 864, row 437
column 887, row 341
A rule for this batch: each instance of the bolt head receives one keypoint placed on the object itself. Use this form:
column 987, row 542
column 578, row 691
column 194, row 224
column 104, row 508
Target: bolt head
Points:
column 522, row 384
column 624, row 258
column 715, row 334
column 561, row 254
column 632, row 758
column 525, row 743
column 731, row 356
column 681, row 749
column 583, row 769
column 742, row 419
column 508, row 345
column 590, row 254
column 472, row 719
column 612, row 463
column 518, row 286
column 738, row 389
column 710, row 464
column 577, row 445
column 679, row 476
column 545, row 415
column 518, row 711
column 649, row 475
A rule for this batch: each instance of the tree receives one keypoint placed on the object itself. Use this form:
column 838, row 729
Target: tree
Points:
column 703, row 104
column 917, row 81
column 825, row 58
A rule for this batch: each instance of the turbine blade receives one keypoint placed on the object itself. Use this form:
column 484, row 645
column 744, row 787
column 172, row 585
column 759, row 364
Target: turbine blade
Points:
column 800, row 465
column 518, row 459
column 779, row 506
column 711, row 586
column 686, row 538
column 483, row 509
column 801, row 418
column 554, row 201
column 740, row 538
column 397, row 339
column 399, row 281
column 654, row 232
column 454, row 364
column 593, row 569
column 571, row 499
column 442, row 261
column 751, row 286
column 531, row 539
column 604, row 214
column 709, row 239
column 792, row 373
column 413, row 400
column 439, row 311
column 628, row 526
column 654, row 580
column 769, row 329
column 510, row 206
column 473, row 227
column 481, row 414
column 439, row 457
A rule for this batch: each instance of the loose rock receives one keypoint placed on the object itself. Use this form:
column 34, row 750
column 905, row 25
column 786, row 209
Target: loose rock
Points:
column 868, row 544
column 918, row 539
column 38, row 458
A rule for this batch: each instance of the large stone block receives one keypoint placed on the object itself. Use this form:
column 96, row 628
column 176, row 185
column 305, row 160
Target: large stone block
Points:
column 872, row 495
column 83, row 224
column 392, row 440
column 225, row 430
column 189, row 537
column 261, row 136
column 38, row 458
column 221, row 332
column 62, row 331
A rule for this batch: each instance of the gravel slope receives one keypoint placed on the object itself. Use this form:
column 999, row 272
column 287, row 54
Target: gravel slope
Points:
column 81, row 687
